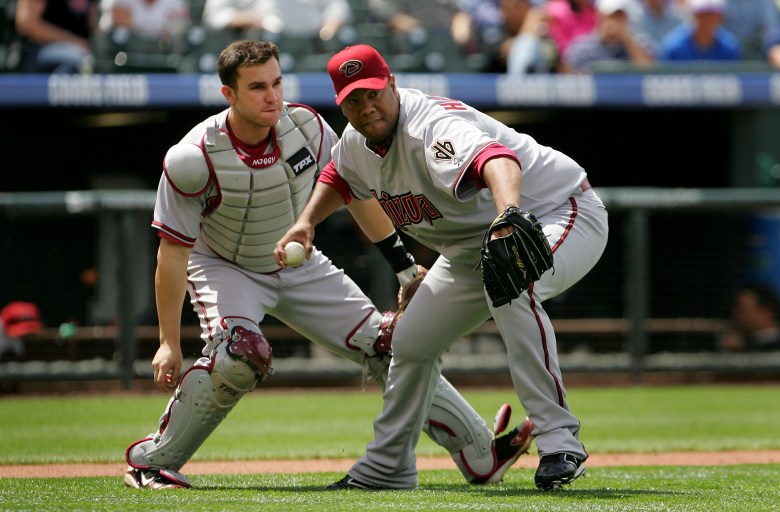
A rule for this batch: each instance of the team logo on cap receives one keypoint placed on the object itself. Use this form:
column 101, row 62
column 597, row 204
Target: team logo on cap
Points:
column 351, row 68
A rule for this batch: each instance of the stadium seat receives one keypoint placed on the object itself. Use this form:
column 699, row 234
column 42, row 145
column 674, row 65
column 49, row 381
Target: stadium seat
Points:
column 422, row 51
column 203, row 47
column 120, row 51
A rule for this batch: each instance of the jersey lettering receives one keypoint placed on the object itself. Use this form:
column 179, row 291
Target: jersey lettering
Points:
column 453, row 105
column 392, row 209
column 263, row 162
column 412, row 208
column 408, row 209
column 448, row 103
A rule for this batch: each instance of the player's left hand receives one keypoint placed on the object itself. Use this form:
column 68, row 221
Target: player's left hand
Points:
column 510, row 263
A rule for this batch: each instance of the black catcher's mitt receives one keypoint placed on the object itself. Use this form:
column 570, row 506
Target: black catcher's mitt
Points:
column 511, row 263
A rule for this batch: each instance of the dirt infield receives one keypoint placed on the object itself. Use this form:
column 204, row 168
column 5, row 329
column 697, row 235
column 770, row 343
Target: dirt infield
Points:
column 423, row 463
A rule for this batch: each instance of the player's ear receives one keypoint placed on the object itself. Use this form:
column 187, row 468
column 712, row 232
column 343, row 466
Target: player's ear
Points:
column 229, row 94
column 391, row 85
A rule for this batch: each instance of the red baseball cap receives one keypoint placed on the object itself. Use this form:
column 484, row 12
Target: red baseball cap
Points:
column 357, row 67
column 20, row 318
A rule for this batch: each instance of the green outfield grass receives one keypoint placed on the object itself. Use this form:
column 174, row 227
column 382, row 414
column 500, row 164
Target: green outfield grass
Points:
column 306, row 424
column 684, row 489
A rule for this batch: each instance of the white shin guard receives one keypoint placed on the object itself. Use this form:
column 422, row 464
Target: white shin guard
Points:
column 206, row 394
column 456, row 426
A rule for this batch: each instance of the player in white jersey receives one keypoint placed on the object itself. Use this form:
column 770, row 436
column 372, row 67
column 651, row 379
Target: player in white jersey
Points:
column 442, row 171
column 230, row 189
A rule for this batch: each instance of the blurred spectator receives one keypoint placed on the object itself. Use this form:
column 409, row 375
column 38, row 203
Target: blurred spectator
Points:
column 527, row 48
column 521, row 44
column 410, row 15
column 751, row 21
column 477, row 25
column 151, row 20
column 569, row 19
column 141, row 35
column 612, row 41
column 18, row 320
column 772, row 48
column 754, row 321
column 309, row 19
column 419, row 24
column 57, row 34
column 657, row 18
column 704, row 38
column 482, row 15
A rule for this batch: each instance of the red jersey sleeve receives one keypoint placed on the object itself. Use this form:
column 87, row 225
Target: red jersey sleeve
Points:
column 330, row 176
column 474, row 172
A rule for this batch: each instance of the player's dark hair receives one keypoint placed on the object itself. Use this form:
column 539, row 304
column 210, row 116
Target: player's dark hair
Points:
column 241, row 53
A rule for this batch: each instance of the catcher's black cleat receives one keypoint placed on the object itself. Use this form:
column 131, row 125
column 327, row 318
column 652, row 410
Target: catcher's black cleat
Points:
column 558, row 469
column 350, row 483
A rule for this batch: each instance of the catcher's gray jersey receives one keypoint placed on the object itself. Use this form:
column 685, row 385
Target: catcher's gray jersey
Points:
column 210, row 195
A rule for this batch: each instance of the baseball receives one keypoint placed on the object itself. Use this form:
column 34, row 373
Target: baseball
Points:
column 296, row 254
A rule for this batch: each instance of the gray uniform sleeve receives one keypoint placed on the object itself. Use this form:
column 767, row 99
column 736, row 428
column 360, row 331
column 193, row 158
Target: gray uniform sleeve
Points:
column 176, row 215
column 451, row 145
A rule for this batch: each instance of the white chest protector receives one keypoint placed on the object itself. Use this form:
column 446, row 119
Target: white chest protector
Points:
column 255, row 205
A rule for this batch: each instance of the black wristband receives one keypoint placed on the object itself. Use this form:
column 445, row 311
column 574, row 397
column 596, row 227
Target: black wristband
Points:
column 393, row 250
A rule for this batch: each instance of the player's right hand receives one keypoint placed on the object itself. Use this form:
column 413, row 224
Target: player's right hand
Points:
column 167, row 365
column 300, row 232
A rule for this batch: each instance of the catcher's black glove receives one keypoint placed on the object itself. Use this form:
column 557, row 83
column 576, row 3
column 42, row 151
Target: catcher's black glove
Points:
column 511, row 263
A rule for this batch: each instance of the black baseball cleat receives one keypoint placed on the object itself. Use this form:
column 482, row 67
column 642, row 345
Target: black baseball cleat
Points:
column 350, row 483
column 558, row 469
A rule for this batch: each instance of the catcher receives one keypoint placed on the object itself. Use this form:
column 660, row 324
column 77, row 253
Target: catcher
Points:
column 442, row 172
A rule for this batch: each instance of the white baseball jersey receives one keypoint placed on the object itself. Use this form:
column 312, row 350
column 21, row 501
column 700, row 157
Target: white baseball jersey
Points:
column 442, row 207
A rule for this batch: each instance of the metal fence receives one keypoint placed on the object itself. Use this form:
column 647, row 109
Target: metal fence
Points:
column 654, row 302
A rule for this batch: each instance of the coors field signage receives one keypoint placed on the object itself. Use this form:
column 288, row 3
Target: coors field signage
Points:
column 720, row 90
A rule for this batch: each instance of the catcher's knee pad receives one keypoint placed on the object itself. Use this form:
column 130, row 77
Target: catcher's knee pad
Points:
column 384, row 343
column 206, row 394
column 245, row 343
column 456, row 426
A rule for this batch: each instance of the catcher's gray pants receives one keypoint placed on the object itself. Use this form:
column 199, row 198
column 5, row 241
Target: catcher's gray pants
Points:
column 450, row 303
